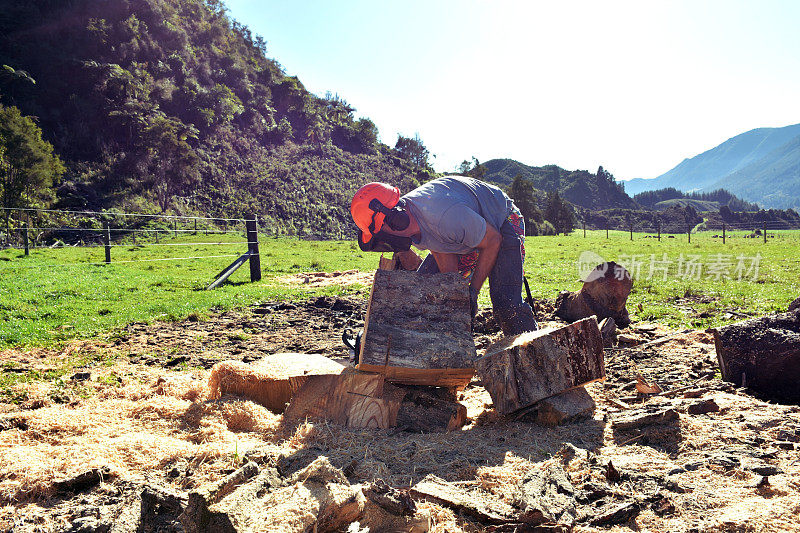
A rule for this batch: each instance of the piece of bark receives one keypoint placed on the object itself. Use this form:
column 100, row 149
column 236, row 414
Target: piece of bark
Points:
column 363, row 400
column 619, row 514
column 546, row 495
column 82, row 481
column 316, row 498
column 521, row 370
column 418, row 329
column 392, row 510
column 608, row 330
column 476, row 503
column 762, row 354
column 271, row 381
column 703, row 407
column 645, row 417
column 528, row 528
column 643, row 387
column 574, row 404
column 604, row 294
column 160, row 508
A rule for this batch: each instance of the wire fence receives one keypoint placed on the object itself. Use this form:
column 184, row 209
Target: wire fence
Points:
column 27, row 229
column 755, row 229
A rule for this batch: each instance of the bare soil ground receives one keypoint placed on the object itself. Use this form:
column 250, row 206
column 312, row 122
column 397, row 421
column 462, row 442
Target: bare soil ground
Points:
column 135, row 408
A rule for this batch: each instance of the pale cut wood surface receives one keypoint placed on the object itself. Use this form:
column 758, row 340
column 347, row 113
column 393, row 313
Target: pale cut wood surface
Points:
column 270, row 381
column 521, row 370
column 351, row 398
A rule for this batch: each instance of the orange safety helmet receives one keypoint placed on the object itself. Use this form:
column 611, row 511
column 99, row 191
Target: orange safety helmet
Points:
column 368, row 219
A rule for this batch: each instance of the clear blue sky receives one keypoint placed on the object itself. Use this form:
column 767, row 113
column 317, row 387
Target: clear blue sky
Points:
column 634, row 86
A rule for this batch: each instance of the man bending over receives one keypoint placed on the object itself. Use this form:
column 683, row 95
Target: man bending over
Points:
column 469, row 226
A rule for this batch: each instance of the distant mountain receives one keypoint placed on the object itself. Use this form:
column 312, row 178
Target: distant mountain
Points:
column 773, row 181
column 580, row 187
column 746, row 154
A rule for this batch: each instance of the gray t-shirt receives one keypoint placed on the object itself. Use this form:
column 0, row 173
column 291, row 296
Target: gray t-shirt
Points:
column 453, row 211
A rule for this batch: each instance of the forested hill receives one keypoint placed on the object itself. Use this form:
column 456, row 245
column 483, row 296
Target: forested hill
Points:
column 580, row 187
column 169, row 105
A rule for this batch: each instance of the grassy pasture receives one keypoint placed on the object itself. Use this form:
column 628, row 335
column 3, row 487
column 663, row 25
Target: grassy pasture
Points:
column 58, row 294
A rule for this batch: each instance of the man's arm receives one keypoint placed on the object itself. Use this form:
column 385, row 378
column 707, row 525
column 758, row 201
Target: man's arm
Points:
column 488, row 249
column 446, row 262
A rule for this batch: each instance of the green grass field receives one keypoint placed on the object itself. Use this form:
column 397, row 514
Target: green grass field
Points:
column 59, row 294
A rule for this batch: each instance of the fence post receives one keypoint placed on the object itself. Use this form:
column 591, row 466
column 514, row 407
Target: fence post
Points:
column 631, row 225
column 689, row 233
column 107, row 239
column 156, row 235
column 251, row 225
column 723, row 233
column 765, row 232
column 606, row 229
column 134, row 237
column 658, row 223
column 25, row 237
column 28, row 225
column 175, row 227
column 584, row 229
column 195, row 227
column 8, row 229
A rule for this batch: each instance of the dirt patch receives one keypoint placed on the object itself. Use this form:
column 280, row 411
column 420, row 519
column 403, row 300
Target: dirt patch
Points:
column 325, row 279
column 142, row 414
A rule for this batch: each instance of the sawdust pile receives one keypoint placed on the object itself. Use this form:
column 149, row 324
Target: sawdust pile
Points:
column 132, row 429
column 324, row 279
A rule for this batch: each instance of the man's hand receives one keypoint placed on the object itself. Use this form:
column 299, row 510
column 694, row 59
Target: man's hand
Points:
column 473, row 301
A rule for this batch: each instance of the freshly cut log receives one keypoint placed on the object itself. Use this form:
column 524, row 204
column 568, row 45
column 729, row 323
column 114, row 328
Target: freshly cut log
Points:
column 762, row 354
column 418, row 329
column 271, row 381
column 363, row 400
column 351, row 398
column 604, row 294
column 521, row 370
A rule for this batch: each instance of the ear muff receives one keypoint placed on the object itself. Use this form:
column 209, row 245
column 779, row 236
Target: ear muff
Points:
column 396, row 218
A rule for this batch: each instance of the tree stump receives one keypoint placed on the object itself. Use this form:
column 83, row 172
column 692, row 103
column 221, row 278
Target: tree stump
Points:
column 418, row 329
column 521, row 370
column 762, row 354
column 604, row 294
column 271, row 381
